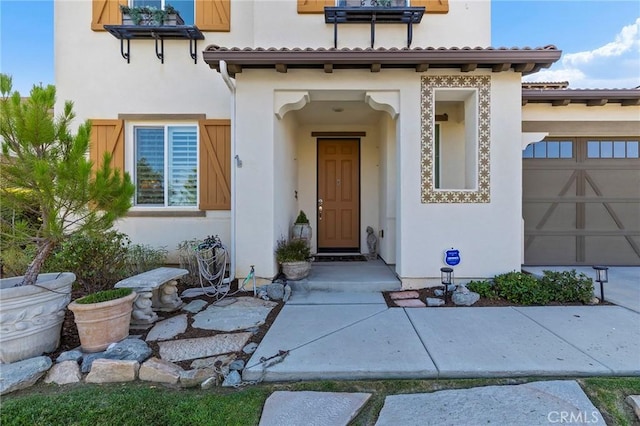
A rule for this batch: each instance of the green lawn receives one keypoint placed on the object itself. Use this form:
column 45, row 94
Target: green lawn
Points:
column 152, row 404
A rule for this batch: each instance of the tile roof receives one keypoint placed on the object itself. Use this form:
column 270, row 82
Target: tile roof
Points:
column 590, row 97
column 525, row 60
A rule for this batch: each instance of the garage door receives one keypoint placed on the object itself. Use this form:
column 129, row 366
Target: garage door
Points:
column 581, row 201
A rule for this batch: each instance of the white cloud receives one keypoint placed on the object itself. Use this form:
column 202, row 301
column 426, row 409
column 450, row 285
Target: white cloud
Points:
column 614, row 65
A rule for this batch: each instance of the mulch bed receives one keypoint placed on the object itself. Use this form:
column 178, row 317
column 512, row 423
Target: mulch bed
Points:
column 483, row 302
column 70, row 340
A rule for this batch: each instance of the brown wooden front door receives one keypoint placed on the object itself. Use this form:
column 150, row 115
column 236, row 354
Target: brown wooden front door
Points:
column 338, row 195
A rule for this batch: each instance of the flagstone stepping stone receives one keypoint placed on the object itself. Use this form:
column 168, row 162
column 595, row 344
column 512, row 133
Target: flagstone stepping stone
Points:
column 195, row 306
column 410, row 303
column 399, row 295
column 201, row 347
column 535, row 403
column 168, row 329
column 284, row 408
column 245, row 313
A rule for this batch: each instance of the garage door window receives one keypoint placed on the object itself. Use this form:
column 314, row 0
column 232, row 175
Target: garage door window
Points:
column 612, row 149
column 549, row 149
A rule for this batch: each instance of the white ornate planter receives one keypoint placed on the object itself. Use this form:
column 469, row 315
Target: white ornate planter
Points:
column 31, row 316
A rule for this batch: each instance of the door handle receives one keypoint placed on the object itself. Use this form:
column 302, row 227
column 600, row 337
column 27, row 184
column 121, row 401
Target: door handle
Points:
column 320, row 209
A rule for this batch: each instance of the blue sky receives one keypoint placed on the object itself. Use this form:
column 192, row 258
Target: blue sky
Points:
column 600, row 39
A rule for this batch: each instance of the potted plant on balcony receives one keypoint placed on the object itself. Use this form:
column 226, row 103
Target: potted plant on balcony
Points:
column 301, row 229
column 149, row 15
column 46, row 173
column 103, row 318
column 293, row 256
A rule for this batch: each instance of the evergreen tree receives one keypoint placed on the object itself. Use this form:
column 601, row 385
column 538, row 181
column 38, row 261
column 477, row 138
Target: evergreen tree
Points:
column 45, row 168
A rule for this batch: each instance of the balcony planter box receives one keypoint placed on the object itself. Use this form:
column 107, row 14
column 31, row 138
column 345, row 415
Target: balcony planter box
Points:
column 151, row 19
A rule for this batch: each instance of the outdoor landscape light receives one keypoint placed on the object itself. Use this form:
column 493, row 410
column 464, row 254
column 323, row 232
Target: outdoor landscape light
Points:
column 446, row 276
column 602, row 276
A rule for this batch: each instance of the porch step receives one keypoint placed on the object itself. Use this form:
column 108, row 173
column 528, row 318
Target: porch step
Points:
column 353, row 277
column 345, row 286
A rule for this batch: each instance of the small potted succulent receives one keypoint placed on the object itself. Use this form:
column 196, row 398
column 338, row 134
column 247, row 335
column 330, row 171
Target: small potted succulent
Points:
column 293, row 256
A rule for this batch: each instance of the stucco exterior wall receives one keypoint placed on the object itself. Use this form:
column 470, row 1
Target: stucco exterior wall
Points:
column 581, row 120
column 488, row 235
column 278, row 155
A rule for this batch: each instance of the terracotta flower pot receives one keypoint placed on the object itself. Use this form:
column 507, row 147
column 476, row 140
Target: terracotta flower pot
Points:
column 100, row 324
column 31, row 316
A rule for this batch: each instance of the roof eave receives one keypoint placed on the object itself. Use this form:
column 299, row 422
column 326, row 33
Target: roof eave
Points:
column 526, row 61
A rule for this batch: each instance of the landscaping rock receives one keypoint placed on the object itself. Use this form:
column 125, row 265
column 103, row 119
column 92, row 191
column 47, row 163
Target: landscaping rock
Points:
column 434, row 301
column 22, row 374
column 127, row 349
column 193, row 378
column 73, row 355
column 168, row 329
column 195, row 306
column 237, row 365
column 275, row 291
column 64, row 373
column 287, row 293
column 399, row 295
column 464, row 297
column 159, row 370
column 634, row 402
column 232, row 379
column 112, row 371
column 410, row 303
column 186, row 349
column 250, row 348
column 219, row 363
column 438, row 292
column 210, row 383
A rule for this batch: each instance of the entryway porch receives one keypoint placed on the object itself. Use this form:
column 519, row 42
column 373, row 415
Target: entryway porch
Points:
column 350, row 276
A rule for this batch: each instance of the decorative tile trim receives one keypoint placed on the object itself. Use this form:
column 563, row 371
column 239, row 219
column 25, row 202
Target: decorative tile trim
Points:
column 427, row 114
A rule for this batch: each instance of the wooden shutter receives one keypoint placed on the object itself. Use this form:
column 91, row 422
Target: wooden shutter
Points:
column 213, row 15
column 107, row 136
column 215, row 164
column 106, row 12
column 432, row 6
column 314, row 6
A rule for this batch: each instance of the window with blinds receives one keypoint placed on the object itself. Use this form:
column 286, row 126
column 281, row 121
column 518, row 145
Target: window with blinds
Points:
column 166, row 163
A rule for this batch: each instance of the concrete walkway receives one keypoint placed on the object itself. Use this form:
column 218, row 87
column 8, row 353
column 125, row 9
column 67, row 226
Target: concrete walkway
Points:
column 342, row 335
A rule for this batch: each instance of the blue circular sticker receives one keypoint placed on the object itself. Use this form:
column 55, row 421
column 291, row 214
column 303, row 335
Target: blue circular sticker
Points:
column 452, row 257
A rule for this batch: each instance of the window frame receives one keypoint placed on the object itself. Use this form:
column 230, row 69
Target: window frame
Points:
column 532, row 147
column 130, row 161
column 613, row 141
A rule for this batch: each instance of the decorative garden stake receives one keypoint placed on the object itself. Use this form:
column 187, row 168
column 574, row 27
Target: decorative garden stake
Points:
column 602, row 276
